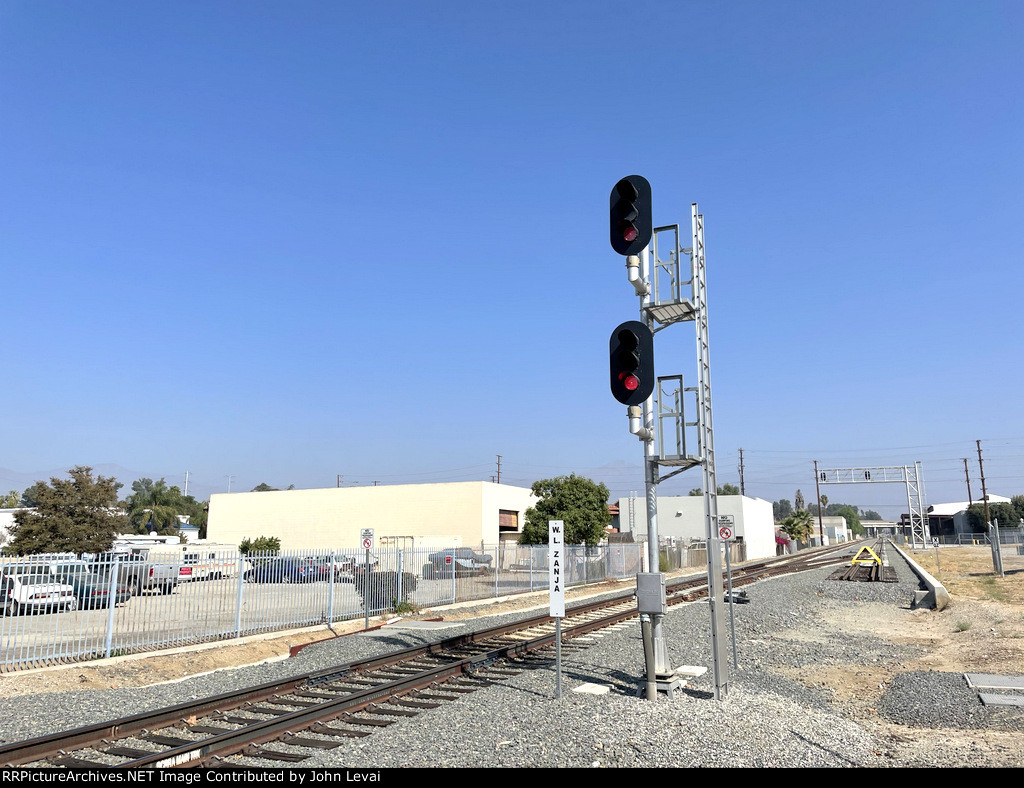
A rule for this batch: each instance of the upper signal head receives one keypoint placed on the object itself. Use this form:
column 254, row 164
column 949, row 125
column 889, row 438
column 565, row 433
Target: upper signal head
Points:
column 631, row 222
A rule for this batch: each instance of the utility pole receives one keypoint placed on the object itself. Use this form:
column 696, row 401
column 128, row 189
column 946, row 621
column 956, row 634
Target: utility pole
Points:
column 743, row 488
column 817, row 487
column 339, row 480
column 499, row 469
column 229, row 482
column 967, row 474
column 993, row 528
column 984, row 492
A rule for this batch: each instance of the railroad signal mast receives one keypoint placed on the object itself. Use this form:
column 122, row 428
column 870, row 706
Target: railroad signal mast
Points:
column 669, row 294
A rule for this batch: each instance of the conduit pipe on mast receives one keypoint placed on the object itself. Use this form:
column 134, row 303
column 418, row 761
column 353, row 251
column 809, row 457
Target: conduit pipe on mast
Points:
column 636, row 420
column 640, row 285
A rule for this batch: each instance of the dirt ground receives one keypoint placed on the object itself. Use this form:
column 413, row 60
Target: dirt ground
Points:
column 981, row 630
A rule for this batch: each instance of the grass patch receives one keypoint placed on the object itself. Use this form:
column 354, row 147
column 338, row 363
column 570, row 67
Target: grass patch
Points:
column 967, row 573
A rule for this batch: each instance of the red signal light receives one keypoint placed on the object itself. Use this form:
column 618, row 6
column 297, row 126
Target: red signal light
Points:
column 631, row 362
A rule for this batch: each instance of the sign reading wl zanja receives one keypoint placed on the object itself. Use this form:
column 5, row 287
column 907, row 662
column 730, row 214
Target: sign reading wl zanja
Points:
column 556, row 565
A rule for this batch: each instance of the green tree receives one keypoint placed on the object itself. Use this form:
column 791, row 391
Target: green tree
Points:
column 851, row 515
column 781, row 509
column 261, row 544
column 723, row 489
column 10, row 501
column 80, row 515
column 1017, row 502
column 200, row 516
column 870, row 514
column 1005, row 513
column 579, row 502
column 799, row 525
column 30, row 497
column 153, row 506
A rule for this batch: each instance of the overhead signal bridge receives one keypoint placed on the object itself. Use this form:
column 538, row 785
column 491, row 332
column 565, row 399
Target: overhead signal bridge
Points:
column 862, row 475
column 908, row 475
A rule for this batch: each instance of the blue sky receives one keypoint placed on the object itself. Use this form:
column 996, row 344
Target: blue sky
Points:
column 280, row 242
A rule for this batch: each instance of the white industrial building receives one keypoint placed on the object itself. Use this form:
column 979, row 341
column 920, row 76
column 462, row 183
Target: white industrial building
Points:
column 952, row 519
column 682, row 517
column 835, row 527
column 409, row 516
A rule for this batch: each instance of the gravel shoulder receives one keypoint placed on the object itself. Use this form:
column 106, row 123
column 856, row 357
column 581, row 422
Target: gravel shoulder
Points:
column 831, row 674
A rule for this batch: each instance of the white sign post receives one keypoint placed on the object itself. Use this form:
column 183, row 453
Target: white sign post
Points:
column 727, row 533
column 366, row 538
column 556, row 594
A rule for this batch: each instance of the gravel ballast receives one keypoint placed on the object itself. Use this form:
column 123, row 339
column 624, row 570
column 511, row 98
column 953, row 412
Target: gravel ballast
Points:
column 767, row 718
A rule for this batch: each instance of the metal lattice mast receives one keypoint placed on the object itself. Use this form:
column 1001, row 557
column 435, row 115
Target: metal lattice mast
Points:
column 919, row 531
column 705, row 431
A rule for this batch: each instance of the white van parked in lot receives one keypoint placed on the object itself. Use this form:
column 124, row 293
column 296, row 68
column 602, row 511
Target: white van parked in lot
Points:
column 203, row 561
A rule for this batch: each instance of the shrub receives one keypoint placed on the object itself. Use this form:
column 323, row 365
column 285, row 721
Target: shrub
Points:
column 382, row 588
column 261, row 544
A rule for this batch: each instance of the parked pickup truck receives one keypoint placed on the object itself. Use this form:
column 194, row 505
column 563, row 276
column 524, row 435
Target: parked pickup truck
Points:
column 460, row 560
column 142, row 572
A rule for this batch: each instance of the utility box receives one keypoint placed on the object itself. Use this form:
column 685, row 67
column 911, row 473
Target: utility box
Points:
column 650, row 593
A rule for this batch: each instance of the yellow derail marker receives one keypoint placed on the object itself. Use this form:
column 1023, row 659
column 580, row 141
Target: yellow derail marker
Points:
column 873, row 560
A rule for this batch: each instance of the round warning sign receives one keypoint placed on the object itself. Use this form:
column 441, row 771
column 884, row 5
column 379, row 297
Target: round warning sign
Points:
column 725, row 533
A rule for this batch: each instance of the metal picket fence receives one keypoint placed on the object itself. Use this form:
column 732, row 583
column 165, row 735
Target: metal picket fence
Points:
column 61, row 609
column 693, row 554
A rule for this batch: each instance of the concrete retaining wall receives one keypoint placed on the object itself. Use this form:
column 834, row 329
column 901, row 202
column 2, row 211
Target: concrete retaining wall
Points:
column 935, row 596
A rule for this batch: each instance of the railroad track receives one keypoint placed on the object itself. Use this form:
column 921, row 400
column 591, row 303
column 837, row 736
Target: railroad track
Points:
column 284, row 721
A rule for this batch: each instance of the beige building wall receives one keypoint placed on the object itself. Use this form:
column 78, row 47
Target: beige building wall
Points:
column 432, row 515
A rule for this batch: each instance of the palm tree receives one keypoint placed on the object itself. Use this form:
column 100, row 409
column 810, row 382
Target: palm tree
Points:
column 152, row 507
column 799, row 525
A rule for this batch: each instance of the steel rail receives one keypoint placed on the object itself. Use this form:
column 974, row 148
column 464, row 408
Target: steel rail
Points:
column 39, row 747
